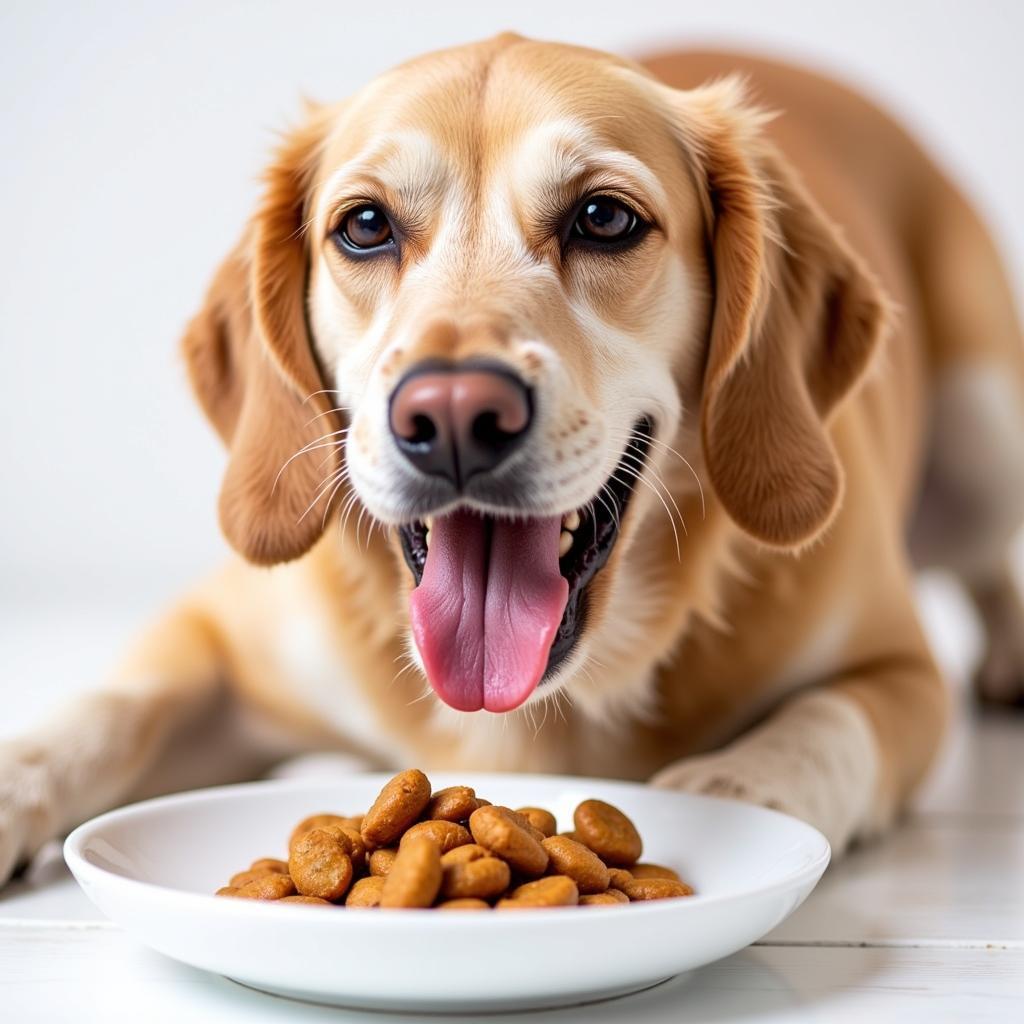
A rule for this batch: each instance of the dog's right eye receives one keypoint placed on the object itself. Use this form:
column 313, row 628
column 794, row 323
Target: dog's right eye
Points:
column 365, row 227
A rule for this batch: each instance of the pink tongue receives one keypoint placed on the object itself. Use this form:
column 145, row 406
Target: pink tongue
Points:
column 487, row 609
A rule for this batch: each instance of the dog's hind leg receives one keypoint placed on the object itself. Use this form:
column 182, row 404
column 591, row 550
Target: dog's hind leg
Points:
column 972, row 500
column 97, row 753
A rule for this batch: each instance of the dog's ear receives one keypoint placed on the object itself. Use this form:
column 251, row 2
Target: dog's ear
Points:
column 252, row 365
column 796, row 317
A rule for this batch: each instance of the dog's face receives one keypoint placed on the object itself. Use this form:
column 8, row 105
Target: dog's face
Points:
column 482, row 210
column 502, row 268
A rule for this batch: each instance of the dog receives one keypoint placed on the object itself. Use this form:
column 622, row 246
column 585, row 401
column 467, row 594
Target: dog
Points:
column 582, row 417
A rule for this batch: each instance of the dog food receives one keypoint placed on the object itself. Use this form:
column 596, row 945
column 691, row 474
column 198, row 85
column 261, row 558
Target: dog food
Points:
column 452, row 850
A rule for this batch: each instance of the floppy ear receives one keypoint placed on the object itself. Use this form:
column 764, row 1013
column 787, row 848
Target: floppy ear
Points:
column 796, row 317
column 252, row 366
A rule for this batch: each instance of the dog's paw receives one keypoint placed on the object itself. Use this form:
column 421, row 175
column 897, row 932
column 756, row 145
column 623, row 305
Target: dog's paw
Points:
column 815, row 758
column 741, row 774
column 731, row 775
column 28, row 809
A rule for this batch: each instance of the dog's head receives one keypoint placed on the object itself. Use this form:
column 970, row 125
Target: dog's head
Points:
column 497, row 299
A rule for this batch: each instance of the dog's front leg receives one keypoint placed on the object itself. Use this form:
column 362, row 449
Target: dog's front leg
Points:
column 93, row 755
column 843, row 757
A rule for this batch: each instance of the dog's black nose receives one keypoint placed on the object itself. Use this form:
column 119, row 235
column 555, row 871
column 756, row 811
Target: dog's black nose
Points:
column 460, row 420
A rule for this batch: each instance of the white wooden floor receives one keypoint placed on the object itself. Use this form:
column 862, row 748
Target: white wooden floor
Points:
column 927, row 926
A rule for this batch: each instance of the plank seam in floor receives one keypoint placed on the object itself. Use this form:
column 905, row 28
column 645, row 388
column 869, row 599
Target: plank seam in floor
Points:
column 994, row 944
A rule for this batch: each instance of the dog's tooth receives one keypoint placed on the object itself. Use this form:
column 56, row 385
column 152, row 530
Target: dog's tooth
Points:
column 428, row 523
column 571, row 520
column 564, row 543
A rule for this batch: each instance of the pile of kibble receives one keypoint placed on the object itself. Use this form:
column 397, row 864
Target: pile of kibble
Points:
column 455, row 851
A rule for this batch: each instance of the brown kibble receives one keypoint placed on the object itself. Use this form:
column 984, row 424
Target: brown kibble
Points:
column 270, row 864
column 524, row 823
column 584, row 867
column 464, row 904
column 608, row 832
column 464, row 854
column 610, row 898
column 320, row 864
column 312, row 822
column 398, row 805
column 415, row 877
column 653, row 871
column 447, row 834
column 453, row 850
column 656, row 889
column 619, row 878
column 456, row 803
column 268, row 886
column 366, row 892
column 483, row 877
column 356, row 846
column 243, row 877
column 543, row 821
column 380, row 861
column 553, row 891
column 496, row 829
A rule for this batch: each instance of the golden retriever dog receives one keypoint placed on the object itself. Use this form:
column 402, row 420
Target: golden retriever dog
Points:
column 583, row 417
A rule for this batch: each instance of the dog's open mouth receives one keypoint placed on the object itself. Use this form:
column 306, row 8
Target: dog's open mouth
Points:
column 500, row 603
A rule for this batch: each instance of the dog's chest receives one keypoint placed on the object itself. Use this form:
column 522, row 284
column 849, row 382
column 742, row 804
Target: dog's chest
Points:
column 321, row 677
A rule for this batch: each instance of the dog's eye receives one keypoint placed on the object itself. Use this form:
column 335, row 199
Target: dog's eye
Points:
column 365, row 227
column 603, row 219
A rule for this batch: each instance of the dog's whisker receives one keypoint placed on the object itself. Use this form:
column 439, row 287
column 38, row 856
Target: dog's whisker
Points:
column 326, row 458
column 322, row 391
column 668, row 449
column 343, row 478
column 686, row 462
column 410, row 664
column 588, row 510
column 558, row 706
column 327, row 412
column 359, row 524
column 332, row 483
column 611, row 509
column 644, row 468
column 310, row 447
column 347, row 511
column 321, row 491
column 657, row 494
column 422, row 697
column 543, row 720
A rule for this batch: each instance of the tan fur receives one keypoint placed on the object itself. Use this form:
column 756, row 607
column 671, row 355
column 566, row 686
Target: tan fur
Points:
column 787, row 324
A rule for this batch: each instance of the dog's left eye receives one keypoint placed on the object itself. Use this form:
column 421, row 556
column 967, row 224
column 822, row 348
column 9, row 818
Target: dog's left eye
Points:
column 365, row 227
column 603, row 219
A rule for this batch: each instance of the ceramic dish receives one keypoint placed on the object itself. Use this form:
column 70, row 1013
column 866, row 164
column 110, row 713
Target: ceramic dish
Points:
column 152, row 868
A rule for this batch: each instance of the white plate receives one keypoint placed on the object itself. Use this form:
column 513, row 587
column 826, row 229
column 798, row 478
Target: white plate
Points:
column 151, row 867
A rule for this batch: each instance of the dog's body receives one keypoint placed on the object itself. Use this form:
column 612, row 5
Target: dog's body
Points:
column 779, row 658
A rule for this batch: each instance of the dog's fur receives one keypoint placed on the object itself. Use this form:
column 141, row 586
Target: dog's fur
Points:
column 818, row 325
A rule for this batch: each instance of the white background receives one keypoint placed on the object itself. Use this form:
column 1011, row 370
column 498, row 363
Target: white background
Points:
column 132, row 138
